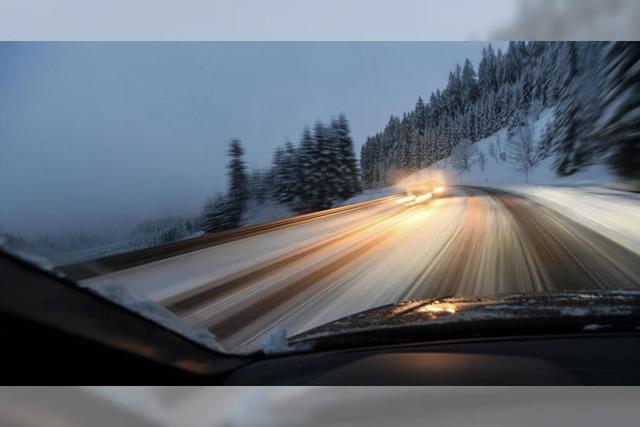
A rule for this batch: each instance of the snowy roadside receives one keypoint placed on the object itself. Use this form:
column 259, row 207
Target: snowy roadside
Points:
column 377, row 193
column 613, row 213
column 589, row 197
column 271, row 211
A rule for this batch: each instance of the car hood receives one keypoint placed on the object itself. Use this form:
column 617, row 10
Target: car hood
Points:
column 460, row 317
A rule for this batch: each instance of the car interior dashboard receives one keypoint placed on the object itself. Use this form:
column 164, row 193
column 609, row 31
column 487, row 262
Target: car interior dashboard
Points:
column 55, row 332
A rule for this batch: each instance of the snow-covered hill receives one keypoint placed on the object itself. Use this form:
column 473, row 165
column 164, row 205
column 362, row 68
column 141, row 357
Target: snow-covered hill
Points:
column 592, row 196
column 491, row 163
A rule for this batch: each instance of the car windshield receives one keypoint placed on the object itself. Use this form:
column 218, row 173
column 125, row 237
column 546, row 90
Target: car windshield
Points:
column 255, row 191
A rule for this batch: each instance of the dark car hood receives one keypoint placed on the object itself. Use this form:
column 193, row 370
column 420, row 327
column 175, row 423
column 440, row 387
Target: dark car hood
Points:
column 458, row 317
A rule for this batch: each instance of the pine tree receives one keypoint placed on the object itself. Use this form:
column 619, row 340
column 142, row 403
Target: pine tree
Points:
column 622, row 127
column 420, row 117
column 258, row 187
column 454, row 91
column 470, row 89
column 525, row 92
column 325, row 178
column 487, row 71
column 286, row 164
column 366, row 163
column 348, row 179
column 564, row 140
column 510, row 88
column 216, row 215
column 225, row 212
column 310, row 174
column 280, row 190
column 238, row 182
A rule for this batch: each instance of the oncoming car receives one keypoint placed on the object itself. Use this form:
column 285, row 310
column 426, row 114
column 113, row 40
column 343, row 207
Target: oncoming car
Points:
column 422, row 191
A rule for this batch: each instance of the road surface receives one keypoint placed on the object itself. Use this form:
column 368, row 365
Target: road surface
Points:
column 470, row 241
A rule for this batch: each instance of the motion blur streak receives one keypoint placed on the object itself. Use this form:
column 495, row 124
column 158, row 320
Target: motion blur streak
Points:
column 573, row 20
column 467, row 241
column 404, row 200
column 423, row 198
column 318, row 406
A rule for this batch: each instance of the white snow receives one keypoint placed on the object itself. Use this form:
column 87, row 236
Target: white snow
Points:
column 270, row 210
column 613, row 213
column 591, row 197
column 276, row 341
column 125, row 297
column 377, row 193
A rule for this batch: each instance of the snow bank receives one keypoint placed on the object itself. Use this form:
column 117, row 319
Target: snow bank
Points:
column 589, row 197
column 612, row 213
column 377, row 193
column 270, row 210
column 494, row 170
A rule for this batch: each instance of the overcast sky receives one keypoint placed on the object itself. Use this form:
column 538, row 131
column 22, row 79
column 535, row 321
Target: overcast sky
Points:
column 96, row 137
column 255, row 19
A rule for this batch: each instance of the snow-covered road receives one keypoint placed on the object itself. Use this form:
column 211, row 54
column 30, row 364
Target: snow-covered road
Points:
column 471, row 241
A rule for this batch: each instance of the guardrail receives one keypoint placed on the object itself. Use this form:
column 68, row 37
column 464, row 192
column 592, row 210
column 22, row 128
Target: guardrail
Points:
column 87, row 269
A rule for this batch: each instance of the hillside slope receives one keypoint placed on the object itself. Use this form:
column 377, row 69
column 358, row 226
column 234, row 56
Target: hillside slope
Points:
column 592, row 196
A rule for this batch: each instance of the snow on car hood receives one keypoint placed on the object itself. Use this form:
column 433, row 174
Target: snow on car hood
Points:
column 515, row 314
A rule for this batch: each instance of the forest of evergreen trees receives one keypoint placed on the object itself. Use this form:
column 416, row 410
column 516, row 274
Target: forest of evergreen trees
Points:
column 319, row 172
column 593, row 86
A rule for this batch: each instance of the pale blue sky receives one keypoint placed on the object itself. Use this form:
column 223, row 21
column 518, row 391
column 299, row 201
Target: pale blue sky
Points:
column 99, row 136
column 254, row 19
